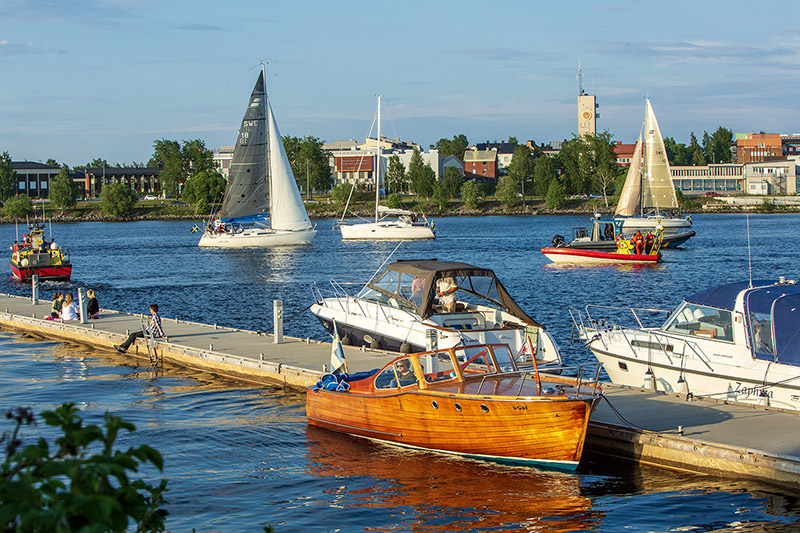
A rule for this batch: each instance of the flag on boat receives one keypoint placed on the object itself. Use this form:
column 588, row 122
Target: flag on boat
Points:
column 337, row 352
column 527, row 352
column 195, row 228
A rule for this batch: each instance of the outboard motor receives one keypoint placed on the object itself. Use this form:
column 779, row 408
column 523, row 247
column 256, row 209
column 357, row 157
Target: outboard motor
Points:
column 558, row 241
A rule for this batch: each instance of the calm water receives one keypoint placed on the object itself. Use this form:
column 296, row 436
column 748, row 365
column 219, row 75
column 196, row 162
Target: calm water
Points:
column 240, row 457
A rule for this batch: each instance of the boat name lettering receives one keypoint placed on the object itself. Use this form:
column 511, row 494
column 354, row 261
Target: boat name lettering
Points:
column 752, row 391
column 520, row 407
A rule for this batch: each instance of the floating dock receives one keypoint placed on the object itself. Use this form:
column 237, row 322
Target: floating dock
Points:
column 665, row 430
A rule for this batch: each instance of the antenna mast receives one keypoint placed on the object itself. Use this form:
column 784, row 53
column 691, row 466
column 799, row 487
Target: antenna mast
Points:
column 580, row 78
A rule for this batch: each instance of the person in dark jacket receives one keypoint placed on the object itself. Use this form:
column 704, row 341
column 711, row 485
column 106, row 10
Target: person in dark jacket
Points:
column 92, row 307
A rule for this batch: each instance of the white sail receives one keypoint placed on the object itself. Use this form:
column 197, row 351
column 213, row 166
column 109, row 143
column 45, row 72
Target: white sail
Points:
column 659, row 192
column 630, row 200
column 286, row 210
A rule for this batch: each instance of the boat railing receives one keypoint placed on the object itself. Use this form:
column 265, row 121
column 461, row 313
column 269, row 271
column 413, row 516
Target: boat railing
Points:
column 586, row 375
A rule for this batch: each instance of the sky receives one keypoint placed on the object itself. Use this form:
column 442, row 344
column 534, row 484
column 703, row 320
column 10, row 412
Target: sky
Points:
column 86, row 79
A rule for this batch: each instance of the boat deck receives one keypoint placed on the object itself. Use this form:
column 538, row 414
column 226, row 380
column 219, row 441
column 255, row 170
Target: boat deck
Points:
column 718, row 438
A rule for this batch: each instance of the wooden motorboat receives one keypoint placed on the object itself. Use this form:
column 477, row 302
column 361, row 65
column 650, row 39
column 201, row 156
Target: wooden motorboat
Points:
column 624, row 253
column 471, row 401
column 734, row 342
column 35, row 255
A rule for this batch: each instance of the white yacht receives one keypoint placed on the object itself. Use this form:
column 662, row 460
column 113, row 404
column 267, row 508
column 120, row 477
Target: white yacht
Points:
column 735, row 342
column 404, row 309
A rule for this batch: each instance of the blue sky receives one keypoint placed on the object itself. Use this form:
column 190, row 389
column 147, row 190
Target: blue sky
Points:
column 85, row 79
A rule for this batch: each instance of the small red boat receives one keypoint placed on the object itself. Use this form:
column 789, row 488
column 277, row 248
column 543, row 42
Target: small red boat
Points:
column 625, row 252
column 35, row 255
column 471, row 401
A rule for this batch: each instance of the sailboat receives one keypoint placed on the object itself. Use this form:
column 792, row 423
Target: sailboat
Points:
column 407, row 225
column 648, row 191
column 262, row 204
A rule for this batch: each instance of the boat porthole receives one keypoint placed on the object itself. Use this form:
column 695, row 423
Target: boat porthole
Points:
column 484, row 408
column 458, row 407
column 434, row 404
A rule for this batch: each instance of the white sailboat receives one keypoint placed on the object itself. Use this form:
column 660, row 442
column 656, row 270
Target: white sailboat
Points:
column 405, row 227
column 262, row 204
column 648, row 197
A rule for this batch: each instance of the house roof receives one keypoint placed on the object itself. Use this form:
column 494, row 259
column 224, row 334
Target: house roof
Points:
column 32, row 165
column 480, row 155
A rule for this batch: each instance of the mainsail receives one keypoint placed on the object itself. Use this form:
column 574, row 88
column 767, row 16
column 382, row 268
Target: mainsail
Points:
column 658, row 190
column 247, row 191
column 630, row 199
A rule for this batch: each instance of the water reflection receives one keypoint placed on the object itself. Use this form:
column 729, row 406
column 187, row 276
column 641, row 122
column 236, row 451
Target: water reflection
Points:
column 447, row 493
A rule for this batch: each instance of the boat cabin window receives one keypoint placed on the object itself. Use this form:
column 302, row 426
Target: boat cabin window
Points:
column 761, row 333
column 399, row 374
column 437, row 366
column 476, row 290
column 476, row 360
column 701, row 321
column 504, row 358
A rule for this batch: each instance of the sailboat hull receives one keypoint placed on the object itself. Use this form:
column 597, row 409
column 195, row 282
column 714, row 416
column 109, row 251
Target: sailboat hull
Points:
column 254, row 238
column 386, row 230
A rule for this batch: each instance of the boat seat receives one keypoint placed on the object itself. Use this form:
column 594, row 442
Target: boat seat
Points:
column 706, row 332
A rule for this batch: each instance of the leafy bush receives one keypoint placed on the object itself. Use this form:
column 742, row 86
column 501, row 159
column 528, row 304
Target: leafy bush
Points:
column 393, row 201
column 472, row 194
column 202, row 207
column 118, row 199
column 69, row 490
column 18, row 206
column 556, row 197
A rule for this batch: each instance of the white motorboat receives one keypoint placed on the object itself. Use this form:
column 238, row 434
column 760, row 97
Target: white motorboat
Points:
column 405, row 309
column 262, row 204
column 735, row 342
column 406, row 226
column 648, row 197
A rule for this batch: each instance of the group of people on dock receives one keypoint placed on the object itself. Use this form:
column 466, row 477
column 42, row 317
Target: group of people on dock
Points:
column 64, row 306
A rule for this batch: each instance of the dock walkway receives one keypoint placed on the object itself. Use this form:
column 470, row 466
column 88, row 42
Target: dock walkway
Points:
column 716, row 438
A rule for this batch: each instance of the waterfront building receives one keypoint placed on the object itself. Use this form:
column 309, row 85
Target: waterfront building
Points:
column 624, row 153
column 142, row 180
column 33, row 179
column 222, row 160
column 774, row 177
column 505, row 152
column 757, row 147
column 481, row 165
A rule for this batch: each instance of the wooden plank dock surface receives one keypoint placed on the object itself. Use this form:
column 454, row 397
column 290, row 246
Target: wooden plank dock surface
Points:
column 717, row 438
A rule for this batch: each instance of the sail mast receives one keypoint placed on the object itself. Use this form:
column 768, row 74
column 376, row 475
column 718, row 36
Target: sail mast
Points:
column 378, row 169
column 268, row 176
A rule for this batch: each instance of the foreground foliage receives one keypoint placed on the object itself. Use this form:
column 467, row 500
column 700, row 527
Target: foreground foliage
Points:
column 67, row 489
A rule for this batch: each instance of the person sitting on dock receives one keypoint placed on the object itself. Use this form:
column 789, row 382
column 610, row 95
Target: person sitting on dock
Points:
column 58, row 301
column 69, row 311
column 92, row 307
column 155, row 330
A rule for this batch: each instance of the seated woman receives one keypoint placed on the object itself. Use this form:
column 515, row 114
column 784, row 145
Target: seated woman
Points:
column 69, row 311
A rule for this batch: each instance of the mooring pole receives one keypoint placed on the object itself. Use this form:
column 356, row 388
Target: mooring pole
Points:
column 35, row 289
column 277, row 317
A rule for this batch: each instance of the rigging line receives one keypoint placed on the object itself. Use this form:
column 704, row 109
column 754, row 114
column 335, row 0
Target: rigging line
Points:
column 363, row 155
column 298, row 313
column 390, row 120
column 749, row 257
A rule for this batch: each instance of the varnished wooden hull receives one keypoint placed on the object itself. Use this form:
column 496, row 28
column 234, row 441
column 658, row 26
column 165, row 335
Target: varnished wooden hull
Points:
column 544, row 431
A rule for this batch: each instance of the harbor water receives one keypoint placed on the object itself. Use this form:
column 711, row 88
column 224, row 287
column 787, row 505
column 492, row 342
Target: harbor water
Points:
column 239, row 457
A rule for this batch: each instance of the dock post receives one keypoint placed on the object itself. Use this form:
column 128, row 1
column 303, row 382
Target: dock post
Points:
column 82, row 304
column 35, row 289
column 277, row 317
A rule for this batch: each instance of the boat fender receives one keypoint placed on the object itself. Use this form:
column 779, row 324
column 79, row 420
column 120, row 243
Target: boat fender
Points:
column 24, row 262
column 405, row 347
column 53, row 246
column 346, row 340
column 375, row 344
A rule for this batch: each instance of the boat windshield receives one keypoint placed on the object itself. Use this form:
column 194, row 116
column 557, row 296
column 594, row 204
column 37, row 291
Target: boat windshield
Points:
column 479, row 360
column 400, row 374
column 437, row 366
column 701, row 321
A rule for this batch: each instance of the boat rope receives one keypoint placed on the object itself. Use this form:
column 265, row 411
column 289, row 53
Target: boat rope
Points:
column 298, row 313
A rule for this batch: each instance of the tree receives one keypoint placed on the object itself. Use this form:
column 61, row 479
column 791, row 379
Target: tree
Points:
column 698, row 159
column 8, row 177
column 452, row 182
column 206, row 186
column 718, row 149
column 196, row 158
column 677, row 153
column 18, row 206
column 63, row 190
column 67, row 489
column 544, row 172
column 340, row 193
column 98, row 163
column 455, row 146
column 521, row 167
column 167, row 156
column 52, row 162
column 310, row 163
column 421, row 176
column 472, row 194
column 556, row 197
column 117, row 199
column 582, row 156
column 396, row 175
column 440, row 194
column 507, row 191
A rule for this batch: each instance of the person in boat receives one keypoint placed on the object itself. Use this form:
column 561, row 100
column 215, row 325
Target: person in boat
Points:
column 154, row 328
column 417, row 290
column 446, row 291
column 92, row 306
column 69, row 311
column 638, row 242
column 405, row 374
column 649, row 239
column 58, row 302
column 608, row 232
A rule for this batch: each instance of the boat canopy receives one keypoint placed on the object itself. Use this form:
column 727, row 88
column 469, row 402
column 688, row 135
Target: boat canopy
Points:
column 772, row 311
column 399, row 278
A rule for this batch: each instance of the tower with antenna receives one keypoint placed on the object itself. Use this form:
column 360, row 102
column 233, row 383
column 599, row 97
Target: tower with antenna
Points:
column 587, row 108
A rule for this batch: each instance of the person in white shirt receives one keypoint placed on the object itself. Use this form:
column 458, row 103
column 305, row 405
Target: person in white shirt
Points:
column 69, row 311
